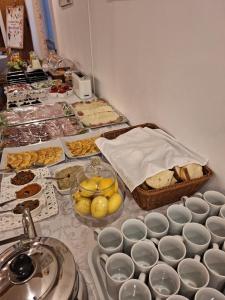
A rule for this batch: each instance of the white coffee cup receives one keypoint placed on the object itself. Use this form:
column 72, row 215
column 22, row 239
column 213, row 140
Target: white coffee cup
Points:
column 163, row 281
column 109, row 239
column 177, row 297
column 196, row 238
column 199, row 208
column 133, row 230
column 214, row 260
column 215, row 200
column 193, row 276
column 222, row 212
column 178, row 215
column 223, row 247
column 144, row 255
column 216, row 226
column 119, row 268
column 171, row 249
column 157, row 224
column 209, row 294
column 135, row 289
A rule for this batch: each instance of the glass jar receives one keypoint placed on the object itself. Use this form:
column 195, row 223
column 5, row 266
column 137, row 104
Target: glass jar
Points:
column 97, row 194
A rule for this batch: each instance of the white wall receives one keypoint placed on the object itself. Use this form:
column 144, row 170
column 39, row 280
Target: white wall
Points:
column 164, row 62
column 72, row 32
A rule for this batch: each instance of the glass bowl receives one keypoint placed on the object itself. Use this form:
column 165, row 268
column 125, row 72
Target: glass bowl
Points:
column 98, row 195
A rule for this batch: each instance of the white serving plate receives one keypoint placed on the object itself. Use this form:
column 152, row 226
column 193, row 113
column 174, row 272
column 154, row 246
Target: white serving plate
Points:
column 34, row 212
column 79, row 138
column 98, row 274
column 9, row 190
column 56, row 169
column 48, row 207
column 51, row 143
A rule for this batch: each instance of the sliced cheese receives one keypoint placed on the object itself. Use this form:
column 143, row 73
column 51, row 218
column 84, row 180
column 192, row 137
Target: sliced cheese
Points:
column 101, row 118
column 100, row 109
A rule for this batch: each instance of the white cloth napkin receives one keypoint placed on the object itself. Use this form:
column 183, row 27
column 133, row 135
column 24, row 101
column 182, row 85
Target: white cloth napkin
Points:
column 143, row 152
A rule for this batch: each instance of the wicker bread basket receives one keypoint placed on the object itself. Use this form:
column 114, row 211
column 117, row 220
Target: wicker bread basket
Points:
column 149, row 199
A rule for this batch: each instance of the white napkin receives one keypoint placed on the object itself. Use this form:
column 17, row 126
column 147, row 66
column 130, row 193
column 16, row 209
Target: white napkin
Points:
column 143, row 152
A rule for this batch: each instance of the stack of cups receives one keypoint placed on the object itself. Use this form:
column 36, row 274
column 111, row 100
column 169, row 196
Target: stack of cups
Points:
column 168, row 255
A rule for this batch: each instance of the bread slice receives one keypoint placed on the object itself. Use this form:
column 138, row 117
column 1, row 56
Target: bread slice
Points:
column 188, row 172
column 160, row 180
column 194, row 171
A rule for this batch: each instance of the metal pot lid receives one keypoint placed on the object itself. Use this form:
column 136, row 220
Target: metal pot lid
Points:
column 42, row 268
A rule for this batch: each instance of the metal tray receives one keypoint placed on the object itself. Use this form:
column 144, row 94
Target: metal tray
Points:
column 121, row 120
column 98, row 274
column 78, row 137
column 67, row 112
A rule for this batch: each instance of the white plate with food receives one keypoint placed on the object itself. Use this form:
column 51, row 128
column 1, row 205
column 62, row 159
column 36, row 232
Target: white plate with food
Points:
column 33, row 156
column 82, row 145
column 16, row 208
column 97, row 113
column 67, row 174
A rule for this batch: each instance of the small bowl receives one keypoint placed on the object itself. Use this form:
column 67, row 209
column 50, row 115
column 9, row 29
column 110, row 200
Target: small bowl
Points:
column 62, row 167
column 37, row 195
column 34, row 212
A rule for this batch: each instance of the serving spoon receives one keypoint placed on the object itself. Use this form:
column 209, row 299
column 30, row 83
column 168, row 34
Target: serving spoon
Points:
column 19, row 206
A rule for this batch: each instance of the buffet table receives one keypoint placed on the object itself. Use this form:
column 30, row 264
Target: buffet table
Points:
column 61, row 222
column 78, row 237
column 65, row 226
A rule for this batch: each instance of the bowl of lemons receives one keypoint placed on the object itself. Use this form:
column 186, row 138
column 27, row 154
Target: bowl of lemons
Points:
column 97, row 194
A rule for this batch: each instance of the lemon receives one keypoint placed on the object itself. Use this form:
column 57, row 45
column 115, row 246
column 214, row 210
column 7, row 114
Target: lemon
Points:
column 77, row 196
column 89, row 186
column 106, row 186
column 97, row 179
column 116, row 187
column 114, row 203
column 99, row 207
column 83, row 206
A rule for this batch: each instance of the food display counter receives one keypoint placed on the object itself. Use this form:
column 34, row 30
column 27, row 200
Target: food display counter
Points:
column 78, row 165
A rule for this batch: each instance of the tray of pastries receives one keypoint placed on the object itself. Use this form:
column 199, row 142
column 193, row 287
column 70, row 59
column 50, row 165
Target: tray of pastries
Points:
column 81, row 145
column 33, row 156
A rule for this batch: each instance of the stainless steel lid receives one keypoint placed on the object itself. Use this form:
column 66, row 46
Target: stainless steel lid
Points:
column 38, row 268
column 41, row 269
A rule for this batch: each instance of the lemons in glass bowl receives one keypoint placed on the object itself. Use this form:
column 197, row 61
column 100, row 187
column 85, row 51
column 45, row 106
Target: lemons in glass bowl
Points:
column 98, row 195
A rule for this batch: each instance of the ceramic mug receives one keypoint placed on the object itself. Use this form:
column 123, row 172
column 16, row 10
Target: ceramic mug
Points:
column 109, row 240
column 199, row 208
column 193, row 276
column 196, row 238
column 144, row 255
column 214, row 260
column 222, row 212
column 171, row 249
column 177, row 297
column 215, row 200
column 216, row 226
column 135, row 289
column 178, row 215
column 133, row 230
column 209, row 294
column 163, row 281
column 119, row 268
column 157, row 224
